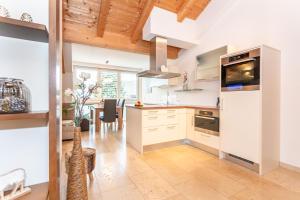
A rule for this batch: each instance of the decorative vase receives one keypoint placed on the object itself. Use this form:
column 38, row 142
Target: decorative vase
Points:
column 85, row 125
column 77, row 183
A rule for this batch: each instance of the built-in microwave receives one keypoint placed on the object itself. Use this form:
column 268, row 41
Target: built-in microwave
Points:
column 241, row 72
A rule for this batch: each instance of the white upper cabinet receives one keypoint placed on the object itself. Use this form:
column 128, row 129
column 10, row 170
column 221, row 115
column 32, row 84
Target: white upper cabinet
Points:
column 208, row 64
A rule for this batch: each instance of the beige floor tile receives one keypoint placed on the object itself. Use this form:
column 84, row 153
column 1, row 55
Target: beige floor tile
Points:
column 173, row 175
column 152, row 186
column 129, row 192
column 285, row 178
column 266, row 191
column 177, row 197
column 195, row 190
column 109, row 183
column 135, row 166
column 217, row 181
column 176, row 173
column 94, row 191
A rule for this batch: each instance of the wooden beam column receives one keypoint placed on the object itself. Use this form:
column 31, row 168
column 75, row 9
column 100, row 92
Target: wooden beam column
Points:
column 103, row 13
column 55, row 37
column 185, row 9
column 142, row 20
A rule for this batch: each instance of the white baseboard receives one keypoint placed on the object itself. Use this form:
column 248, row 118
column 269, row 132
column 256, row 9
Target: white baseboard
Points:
column 290, row 167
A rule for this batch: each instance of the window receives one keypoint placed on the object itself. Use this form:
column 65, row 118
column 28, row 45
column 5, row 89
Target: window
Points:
column 128, row 86
column 115, row 84
column 109, row 82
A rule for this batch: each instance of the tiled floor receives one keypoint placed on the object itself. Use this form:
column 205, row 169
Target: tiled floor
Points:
column 177, row 173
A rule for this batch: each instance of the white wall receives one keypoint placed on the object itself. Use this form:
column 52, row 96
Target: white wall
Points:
column 26, row 147
column 173, row 30
column 247, row 23
column 96, row 55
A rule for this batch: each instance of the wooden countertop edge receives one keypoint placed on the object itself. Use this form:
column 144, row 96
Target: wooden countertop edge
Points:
column 172, row 107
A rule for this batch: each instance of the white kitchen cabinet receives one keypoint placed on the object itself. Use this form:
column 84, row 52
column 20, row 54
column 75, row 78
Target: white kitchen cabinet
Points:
column 240, row 124
column 208, row 64
column 164, row 125
column 182, row 124
column 190, row 124
column 153, row 135
column 207, row 139
column 153, row 120
column 156, row 126
column 250, row 120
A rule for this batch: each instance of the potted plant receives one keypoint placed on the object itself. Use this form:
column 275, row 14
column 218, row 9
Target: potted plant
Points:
column 77, row 186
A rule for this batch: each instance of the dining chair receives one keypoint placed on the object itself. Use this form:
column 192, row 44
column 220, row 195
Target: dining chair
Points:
column 121, row 104
column 109, row 111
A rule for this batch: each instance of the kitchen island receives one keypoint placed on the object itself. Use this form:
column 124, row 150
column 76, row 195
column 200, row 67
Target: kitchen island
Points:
column 153, row 125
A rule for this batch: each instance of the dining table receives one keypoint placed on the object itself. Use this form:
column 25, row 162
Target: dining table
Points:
column 98, row 108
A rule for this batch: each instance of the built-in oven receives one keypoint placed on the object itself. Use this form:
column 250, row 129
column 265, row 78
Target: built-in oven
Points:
column 241, row 72
column 207, row 121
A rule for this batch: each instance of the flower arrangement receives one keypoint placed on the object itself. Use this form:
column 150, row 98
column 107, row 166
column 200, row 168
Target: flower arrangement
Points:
column 81, row 95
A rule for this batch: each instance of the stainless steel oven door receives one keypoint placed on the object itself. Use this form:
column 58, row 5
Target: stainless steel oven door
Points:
column 241, row 72
column 206, row 124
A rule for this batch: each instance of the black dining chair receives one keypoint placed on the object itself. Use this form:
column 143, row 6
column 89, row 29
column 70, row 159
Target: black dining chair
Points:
column 122, row 105
column 109, row 111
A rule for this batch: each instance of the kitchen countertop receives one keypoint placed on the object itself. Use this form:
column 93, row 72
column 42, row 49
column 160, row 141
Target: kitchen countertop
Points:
column 153, row 107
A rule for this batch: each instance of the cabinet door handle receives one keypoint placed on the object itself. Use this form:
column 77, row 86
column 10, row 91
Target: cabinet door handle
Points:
column 171, row 127
column 152, row 129
column 153, row 111
column 152, row 118
column 204, row 135
column 171, row 111
column 171, row 116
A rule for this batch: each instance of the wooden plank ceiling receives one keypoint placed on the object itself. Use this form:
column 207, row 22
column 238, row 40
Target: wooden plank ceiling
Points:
column 118, row 24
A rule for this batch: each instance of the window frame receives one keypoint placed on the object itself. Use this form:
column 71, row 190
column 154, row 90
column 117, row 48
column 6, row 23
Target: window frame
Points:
column 100, row 68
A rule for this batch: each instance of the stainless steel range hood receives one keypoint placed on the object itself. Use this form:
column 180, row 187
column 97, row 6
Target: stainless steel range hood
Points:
column 158, row 58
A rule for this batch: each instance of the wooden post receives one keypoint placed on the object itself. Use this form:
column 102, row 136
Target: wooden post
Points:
column 54, row 96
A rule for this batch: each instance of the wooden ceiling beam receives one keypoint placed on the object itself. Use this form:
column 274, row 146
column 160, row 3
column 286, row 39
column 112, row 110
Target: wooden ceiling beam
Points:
column 137, row 31
column 185, row 9
column 115, row 41
column 103, row 13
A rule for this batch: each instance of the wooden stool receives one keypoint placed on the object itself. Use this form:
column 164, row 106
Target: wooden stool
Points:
column 90, row 161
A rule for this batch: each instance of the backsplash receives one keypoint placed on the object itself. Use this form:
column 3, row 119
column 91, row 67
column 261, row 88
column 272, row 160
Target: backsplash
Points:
column 208, row 96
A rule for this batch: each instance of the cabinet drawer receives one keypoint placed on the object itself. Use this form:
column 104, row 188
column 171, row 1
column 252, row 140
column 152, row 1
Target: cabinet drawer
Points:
column 171, row 133
column 152, row 112
column 171, row 111
column 206, row 139
column 170, row 119
column 152, row 120
column 152, row 135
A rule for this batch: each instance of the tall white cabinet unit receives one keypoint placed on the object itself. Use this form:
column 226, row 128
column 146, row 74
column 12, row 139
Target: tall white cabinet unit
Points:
column 250, row 118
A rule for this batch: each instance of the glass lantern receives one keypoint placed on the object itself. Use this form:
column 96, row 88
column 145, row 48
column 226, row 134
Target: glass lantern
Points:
column 14, row 96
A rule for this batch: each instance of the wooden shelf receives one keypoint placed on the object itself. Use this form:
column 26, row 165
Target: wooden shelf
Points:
column 22, row 116
column 23, row 30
